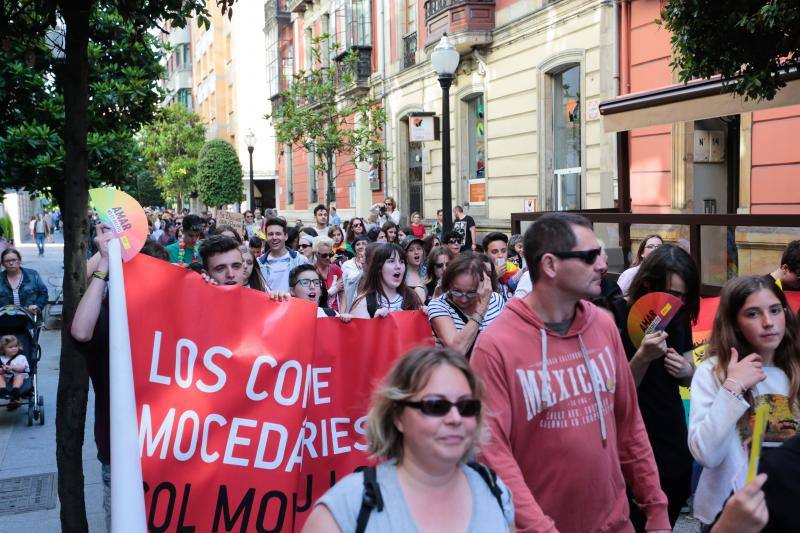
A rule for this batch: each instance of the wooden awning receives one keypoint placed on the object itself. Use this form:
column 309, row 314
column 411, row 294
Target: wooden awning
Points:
column 695, row 100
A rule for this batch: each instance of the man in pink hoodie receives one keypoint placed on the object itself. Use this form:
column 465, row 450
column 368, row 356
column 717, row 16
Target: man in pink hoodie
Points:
column 551, row 363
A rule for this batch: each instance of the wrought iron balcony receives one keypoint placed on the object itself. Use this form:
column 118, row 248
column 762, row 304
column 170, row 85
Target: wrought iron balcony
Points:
column 410, row 50
column 354, row 76
column 297, row 6
column 468, row 23
column 279, row 10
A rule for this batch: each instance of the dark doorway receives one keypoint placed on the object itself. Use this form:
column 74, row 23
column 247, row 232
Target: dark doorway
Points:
column 415, row 178
column 264, row 194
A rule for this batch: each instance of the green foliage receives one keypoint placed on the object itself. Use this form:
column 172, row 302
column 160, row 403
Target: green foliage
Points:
column 171, row 145
column 219, row 174
column 7, row 227
column 314, row 114
column 123, row 73
column 747, row 42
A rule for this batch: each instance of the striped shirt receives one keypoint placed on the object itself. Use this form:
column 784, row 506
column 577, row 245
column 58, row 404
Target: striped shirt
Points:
column 439, row 307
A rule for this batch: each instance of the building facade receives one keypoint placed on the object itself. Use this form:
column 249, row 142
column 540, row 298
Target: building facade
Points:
column 525, row 130
column 230, row 91
column 722, row 157
column 178, row 63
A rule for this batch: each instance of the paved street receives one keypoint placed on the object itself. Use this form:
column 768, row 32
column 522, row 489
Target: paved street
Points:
column 27, row 451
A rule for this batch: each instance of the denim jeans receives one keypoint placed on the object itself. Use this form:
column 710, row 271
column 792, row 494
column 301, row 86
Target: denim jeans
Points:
column 40, row 243
column 107, row 495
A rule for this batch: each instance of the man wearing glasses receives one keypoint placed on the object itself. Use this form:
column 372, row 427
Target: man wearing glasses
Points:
column 567, row 434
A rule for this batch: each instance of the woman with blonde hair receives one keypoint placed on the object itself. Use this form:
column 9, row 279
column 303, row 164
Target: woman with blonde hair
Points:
column 754, row 361
column 424, row 423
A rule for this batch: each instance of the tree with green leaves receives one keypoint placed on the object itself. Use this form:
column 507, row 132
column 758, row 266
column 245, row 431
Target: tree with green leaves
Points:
column 104, row 86
column 219, row 174
column 314, row 114
column 748, row 42
column 171, row 144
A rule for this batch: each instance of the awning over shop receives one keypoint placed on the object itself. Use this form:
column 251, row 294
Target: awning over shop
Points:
column 695, row 100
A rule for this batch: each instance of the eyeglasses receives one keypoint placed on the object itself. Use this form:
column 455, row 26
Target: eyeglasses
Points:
column 440, row 407
column 359, row 225
column 652, row 246
column 441, row 265
column 587, row 256
column 303, row 246
column 306, row 283
column 324, row 256
column 10, row 261
column 454, row 241
column 460, row 294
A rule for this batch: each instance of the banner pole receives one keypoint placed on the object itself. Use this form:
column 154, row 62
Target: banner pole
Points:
column 127, row 493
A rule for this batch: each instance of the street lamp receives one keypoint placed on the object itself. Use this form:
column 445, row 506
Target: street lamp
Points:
column 445, row 62
column 250, row 140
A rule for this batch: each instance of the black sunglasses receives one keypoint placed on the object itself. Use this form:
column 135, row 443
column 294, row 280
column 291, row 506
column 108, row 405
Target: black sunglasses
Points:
column 454, row 241
column 303, row 246
column 324, row 256
column 440, row 407
column 441, row 265
column 359, row 225
column 587, row 256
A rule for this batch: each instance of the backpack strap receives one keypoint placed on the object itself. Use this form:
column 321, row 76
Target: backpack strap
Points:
column 372, row 498
column 372, row 304
column 490, row 477
column 328, row 311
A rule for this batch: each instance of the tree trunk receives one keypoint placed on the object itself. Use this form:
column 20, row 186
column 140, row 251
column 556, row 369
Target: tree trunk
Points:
column 330, row 189
column 73, row 381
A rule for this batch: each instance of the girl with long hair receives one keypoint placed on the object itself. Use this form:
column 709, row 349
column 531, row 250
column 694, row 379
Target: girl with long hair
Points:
column 661, row 364
column 438, row 259
column 356, row 228
column 252, row 276
column 390, row 229
column 384, row 290
column 648, row 245
column 754, row 361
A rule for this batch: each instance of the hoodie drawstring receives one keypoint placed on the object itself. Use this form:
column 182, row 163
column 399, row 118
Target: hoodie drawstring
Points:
column 596, row 391
column 546, row 385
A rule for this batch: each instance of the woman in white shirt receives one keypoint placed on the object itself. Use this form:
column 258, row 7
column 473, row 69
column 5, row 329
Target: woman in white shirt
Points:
column 387, row 212
column 755, row 361
column 648, row 244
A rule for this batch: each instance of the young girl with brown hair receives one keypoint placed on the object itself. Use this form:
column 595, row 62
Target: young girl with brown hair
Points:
column 754, row 361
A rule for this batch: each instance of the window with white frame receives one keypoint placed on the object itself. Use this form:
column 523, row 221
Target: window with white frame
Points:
column 476, row 146
column 566, row 137
column 289, row 174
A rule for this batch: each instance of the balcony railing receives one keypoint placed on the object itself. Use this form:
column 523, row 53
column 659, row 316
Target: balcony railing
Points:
column 468, row 23
column 720, row 245
column 354, row 76
column 410, row 50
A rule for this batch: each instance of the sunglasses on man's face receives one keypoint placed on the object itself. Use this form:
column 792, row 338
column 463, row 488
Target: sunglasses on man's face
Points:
column 587, row 256
column 440, row 407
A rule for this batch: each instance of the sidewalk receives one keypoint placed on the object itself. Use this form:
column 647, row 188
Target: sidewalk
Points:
column 31, row 451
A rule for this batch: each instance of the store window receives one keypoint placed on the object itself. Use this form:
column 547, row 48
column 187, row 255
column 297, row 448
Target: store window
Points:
column 476, row 145
column 289, row 174
column 313, row 178
column 566, row 85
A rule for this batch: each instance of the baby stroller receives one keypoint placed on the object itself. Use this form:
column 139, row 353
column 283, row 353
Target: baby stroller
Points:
column 18, row 321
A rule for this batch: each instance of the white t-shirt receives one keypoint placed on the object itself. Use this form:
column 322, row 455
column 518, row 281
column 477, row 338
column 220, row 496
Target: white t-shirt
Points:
column 279, row 268
column 19, row 359
column 439, row 307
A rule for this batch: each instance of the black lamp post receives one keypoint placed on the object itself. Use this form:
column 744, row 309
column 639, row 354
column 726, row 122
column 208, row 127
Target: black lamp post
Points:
column 445, row 62
column 250, row 140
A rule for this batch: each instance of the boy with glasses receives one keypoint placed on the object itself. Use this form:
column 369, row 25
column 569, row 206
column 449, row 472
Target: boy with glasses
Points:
column 568, row 434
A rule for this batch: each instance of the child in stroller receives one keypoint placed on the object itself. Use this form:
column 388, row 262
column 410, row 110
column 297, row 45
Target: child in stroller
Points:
column 14, row 370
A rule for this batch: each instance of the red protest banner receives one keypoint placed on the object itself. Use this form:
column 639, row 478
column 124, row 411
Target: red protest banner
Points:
column 248, row 409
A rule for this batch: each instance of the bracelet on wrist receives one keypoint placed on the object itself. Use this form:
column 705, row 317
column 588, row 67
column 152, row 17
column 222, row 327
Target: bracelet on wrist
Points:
column 742, row 388
column 99, row 274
